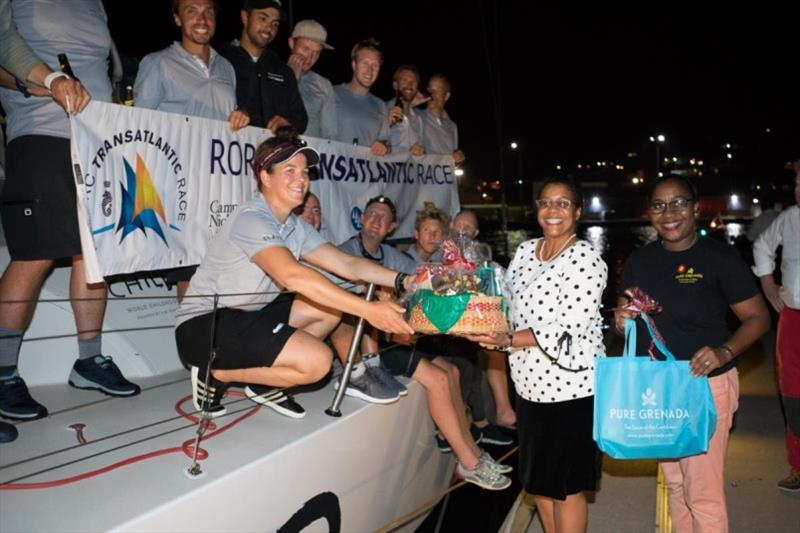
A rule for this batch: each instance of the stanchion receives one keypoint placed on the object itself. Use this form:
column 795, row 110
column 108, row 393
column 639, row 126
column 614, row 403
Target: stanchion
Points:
column 333, row 410
column 663, row 519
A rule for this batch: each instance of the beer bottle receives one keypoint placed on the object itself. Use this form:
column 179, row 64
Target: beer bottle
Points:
column 63, row 63
column 399, row 103
column 128, row 98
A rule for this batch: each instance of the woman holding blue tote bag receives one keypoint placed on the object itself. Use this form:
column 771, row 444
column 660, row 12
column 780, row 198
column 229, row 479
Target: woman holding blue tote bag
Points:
column 696, row 281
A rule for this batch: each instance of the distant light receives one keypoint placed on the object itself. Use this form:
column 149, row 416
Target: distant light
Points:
column 713, row 224
column 514, row 145
column 768, row 130
column 599, row 163
column 755, row 200
column 634, row 154
column 692, row 161
column 558, row 167
column 661, row 138
column 728, row 146
column 758, row 187
column 459, row 172
column 700, row 163
column 484, row 195
column 652, row 139
column 660, row 174
column 674, row 159
column 519, row 182
column 635, row 181
column 730, row 156
column 579, row 165
column 703, row 232
column 595, row 202
column 735, row 200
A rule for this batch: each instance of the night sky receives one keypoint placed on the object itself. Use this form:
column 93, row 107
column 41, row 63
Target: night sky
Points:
column 568, row 83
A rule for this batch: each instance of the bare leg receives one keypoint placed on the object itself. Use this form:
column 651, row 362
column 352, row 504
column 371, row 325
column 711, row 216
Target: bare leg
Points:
column 22, row 280
column 89, row 301
column 316, row 320
column 304, row 359
column 458, row 402
column 571, row 514
column 497, row 374
column 445, row 413
column 182, row 287
column 341, row 338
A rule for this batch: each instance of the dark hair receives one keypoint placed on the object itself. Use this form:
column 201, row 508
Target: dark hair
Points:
column 385, row 200
column 683, row 181
column 401, row 68
column 284, row 134
column 176, row 5
column 443, row 78
column 370, row 43
column 577, row 195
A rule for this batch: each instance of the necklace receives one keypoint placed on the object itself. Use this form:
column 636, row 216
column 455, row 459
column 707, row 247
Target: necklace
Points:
column 366, row 255
column 563, row 247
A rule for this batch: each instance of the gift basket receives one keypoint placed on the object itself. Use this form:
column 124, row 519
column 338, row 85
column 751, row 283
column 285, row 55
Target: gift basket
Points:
column 461, row 295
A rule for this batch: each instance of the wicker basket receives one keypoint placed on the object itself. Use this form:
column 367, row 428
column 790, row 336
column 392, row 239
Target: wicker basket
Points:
column 482, row 314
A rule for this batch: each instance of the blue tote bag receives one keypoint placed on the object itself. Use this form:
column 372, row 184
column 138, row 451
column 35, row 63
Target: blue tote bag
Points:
column 645, row 409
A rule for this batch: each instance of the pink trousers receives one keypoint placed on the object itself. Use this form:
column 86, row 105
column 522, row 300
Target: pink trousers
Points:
column 696, row 484
column 787, row 361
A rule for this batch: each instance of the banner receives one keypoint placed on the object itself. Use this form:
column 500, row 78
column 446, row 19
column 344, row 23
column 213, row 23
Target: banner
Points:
column 156, row 186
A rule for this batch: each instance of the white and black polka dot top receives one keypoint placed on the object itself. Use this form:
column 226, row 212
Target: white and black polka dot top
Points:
column 559, row 300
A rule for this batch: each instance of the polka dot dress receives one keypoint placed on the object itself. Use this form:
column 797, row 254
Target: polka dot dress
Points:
column 559, row 300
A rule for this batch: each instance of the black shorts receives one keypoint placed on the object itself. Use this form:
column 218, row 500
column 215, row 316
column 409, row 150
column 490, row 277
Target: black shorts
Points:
column 449, row 345
column 40, row 216
column 244, row 339
column 402, row 360
column 557, row 454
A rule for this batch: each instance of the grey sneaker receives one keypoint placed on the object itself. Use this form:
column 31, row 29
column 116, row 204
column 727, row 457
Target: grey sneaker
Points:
column 484, row 476
column 387, row 379
column 366, row 387
column 494, row 465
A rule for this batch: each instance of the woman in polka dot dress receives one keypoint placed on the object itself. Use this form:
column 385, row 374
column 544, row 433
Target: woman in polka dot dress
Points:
column 557, row 282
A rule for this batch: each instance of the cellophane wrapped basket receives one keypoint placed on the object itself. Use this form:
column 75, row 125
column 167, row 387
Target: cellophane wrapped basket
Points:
column 457, row 296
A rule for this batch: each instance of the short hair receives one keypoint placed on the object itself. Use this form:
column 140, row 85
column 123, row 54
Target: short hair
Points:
column 444, row 79
column 683, row 181
column 469, row 212
column 577, row 194
column 385, row 200
column 431, row 212
column 176, row 5
column 370, row 43
column 411, row 68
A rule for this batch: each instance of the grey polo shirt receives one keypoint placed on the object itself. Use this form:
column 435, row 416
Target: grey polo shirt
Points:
column 320, row 103
column 51, row 27
column 176, row 81
column 407, row 132
column 439, row 136
column 360, row 117
column 228, row 267
column 436, row 257
column 388, row 256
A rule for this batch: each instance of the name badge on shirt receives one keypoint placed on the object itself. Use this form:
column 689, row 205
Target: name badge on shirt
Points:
column 275, row 77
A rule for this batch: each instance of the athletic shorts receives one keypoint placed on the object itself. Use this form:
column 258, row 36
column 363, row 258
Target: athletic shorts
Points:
column 243, row 339
column 402, row 360
column 39, row 208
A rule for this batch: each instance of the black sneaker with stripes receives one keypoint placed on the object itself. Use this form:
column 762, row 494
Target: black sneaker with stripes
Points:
column 209, row 399
column 276, row 399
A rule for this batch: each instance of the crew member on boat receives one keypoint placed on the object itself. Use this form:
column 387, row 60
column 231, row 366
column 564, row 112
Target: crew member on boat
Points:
column 265, row 312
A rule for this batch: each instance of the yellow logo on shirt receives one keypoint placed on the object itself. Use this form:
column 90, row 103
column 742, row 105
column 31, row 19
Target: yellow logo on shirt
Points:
column 687, row 275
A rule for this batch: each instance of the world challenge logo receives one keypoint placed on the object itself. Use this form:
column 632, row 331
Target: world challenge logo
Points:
column 141, row 204
column 355, row 218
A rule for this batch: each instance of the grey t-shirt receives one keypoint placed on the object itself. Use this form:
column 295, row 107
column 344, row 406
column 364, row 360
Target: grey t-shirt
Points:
column 360, row 117
column 50, row 27
column 435, row 257
column 320, row 102
column 228, row 268
column 407, row 132
column 176, row 81
column 387, row 256
column 439, row 135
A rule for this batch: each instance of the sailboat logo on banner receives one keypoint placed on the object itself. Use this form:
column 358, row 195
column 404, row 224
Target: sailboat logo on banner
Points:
column 141, row 203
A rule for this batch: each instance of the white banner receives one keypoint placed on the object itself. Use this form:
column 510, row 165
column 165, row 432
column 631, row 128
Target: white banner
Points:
column 156, row 186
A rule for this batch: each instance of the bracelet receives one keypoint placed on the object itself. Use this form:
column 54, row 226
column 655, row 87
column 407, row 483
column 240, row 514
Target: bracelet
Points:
column 729, row 350
column 398, row 282
column 510, row 347
column 52, row 76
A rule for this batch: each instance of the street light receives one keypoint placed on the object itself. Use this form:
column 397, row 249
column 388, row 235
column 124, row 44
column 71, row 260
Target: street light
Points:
column 517, row 148
column 658, row 140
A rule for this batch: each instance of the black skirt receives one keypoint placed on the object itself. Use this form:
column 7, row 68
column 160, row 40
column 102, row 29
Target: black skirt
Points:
column 557, row 454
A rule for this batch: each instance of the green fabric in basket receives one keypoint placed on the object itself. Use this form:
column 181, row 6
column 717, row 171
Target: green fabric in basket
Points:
column 442, row 311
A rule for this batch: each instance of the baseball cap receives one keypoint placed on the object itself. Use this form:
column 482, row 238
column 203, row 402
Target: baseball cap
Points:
column 311, row 29
column 263, row 4
column 285, row 151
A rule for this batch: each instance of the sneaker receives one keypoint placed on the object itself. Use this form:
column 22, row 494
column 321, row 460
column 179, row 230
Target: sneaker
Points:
column 8, row 432
column 494, row 465
column 483, row 476
column 368, row 388
column 790, row 483
column 493, row 435
column 100, row 373
column 16, row 402
column 444, row 446
column 279, row 401
column 387, row 379
column 211, row 399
